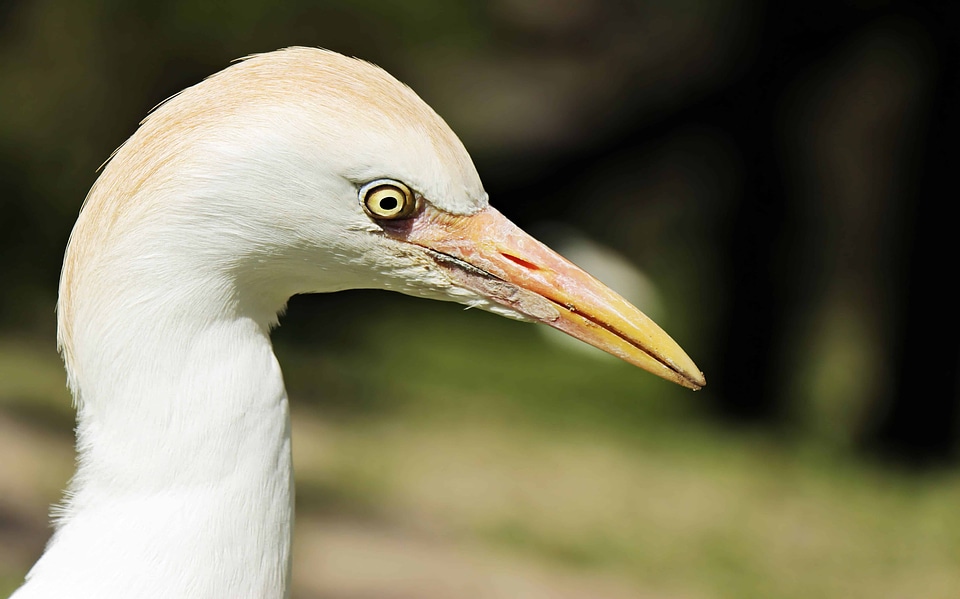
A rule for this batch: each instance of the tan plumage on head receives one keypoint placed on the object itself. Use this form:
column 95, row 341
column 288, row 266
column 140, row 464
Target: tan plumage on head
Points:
column 313, row 89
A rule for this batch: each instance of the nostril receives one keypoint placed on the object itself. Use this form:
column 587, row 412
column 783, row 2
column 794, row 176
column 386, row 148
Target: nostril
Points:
column 520, row 261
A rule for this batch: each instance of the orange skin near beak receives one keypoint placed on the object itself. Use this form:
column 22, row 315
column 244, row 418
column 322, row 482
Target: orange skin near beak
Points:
column 488, row 254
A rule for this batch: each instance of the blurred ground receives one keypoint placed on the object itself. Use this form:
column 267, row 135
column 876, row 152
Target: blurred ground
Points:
column 467, row 488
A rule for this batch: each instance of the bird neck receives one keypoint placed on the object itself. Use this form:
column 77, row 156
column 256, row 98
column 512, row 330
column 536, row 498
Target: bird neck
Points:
column 184, row 483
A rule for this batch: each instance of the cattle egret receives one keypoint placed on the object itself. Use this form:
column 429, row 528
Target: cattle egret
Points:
column 297, row 171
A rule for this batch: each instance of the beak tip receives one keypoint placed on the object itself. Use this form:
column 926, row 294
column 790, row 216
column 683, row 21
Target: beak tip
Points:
column 691, row 378
column 698, row 381
column 685, row 372
column 690, row 381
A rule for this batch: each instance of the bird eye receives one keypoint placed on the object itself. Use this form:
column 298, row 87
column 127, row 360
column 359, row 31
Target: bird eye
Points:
column 386, row 199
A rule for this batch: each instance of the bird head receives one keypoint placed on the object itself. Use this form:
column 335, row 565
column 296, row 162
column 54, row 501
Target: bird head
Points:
column 304, row 171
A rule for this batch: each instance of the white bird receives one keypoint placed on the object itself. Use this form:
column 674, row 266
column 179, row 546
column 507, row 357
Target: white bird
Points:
column 297, row 171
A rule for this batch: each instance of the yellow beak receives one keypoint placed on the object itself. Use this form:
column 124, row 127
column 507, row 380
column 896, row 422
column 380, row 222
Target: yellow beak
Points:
column 488, row 254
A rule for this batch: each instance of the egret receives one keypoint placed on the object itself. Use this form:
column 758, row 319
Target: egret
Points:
column 296, row 171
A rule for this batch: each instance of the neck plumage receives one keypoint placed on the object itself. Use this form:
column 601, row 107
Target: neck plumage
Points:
column 184, row 484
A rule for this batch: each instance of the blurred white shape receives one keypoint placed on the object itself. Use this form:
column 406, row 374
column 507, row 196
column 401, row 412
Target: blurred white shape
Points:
column 609, row 266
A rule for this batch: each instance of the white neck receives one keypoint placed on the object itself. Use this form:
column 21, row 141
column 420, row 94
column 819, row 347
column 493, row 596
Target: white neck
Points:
column 184, row 485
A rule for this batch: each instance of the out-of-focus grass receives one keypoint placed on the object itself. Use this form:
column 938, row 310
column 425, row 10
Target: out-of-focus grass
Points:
column 432, row 361
column 745, row 520
column 471, row 426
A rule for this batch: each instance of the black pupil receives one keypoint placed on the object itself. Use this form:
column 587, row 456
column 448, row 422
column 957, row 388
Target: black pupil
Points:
column 389, row 203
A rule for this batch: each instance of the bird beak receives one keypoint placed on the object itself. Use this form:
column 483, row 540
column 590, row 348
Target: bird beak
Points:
column 491, row 256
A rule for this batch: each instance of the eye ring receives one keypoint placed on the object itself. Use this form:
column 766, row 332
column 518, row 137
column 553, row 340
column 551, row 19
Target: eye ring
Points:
column 386, row 199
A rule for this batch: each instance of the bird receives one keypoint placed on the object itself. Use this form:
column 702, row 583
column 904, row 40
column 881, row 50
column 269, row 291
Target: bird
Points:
column 289, row 172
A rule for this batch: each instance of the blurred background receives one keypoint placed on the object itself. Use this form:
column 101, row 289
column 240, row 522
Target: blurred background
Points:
column 769, row 180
